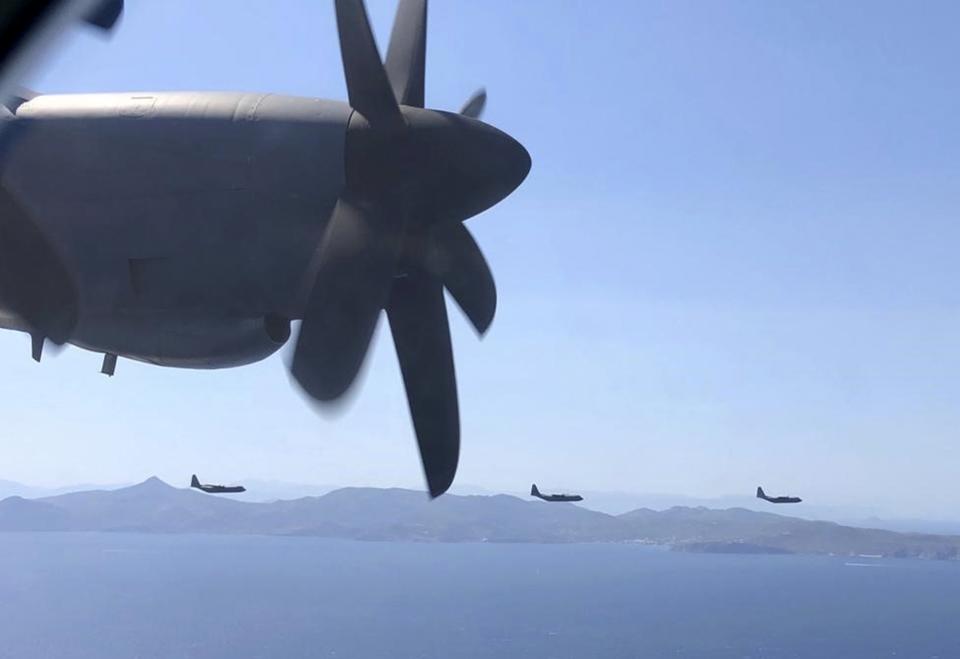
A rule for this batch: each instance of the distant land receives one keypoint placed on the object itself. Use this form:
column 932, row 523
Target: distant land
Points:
column 406, row 515
column 611, row 502
column 10, row 488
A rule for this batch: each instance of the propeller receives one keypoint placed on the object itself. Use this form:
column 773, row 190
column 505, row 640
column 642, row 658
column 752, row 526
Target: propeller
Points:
column 105, row 13
column 396, row 237
column 473, row 108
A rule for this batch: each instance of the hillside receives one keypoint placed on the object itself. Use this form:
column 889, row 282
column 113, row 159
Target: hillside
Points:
column 394, row 514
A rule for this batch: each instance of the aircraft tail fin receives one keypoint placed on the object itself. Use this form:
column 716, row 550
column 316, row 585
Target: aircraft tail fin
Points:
column 194, row 481
column 534, row 492
column 760, row 494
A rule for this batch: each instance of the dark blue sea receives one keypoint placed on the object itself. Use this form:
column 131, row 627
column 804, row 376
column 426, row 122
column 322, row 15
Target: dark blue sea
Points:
column 218, row 597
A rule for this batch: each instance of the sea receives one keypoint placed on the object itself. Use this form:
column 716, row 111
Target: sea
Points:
column 101, row 595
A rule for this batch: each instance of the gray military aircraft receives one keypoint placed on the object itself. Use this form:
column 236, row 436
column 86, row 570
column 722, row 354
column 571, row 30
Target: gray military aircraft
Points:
column 216, row 489
column 762, row 495
column 535, row 492
column 189, row 229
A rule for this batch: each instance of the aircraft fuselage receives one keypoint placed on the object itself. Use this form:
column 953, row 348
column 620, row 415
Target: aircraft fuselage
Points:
column 222, row 489
column 559, row 497
column 782, row 499
column 189, row 220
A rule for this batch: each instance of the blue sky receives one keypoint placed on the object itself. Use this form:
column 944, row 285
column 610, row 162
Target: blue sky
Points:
column 734, row 260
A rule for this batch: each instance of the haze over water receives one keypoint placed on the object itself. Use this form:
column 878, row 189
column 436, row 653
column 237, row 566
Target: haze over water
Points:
column 125, row 595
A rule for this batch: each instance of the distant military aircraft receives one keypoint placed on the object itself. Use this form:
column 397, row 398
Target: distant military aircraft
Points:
column 189, row 229
column 216, row 489
column 535, row 492
column 762, row 495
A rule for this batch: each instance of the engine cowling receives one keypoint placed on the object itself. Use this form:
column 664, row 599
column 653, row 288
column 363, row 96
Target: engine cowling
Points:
column 195, row 342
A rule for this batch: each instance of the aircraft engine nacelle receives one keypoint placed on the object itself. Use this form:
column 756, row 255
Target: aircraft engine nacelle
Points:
column 193, row 342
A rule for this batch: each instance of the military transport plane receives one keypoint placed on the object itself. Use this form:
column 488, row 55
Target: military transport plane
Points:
column 188, row 229
column 535, row 492
column 762, row 495
column 216, row 489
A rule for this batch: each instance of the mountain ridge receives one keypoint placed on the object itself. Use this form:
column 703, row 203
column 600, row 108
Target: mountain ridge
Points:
column 397, row 514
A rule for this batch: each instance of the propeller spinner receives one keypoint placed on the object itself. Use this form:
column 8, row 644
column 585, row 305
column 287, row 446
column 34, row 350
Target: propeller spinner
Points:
column 396, row 238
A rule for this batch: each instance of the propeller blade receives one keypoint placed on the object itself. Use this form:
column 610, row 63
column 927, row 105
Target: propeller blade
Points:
column 407, row 53
column 356, row 264
column 367, row 85
column 455, row 259
column 105, row 14
column 474, row 106
column 421, row 335
column 34, row 282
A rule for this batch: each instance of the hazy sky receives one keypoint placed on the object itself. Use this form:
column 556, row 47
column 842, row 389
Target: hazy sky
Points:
column 734, row 261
